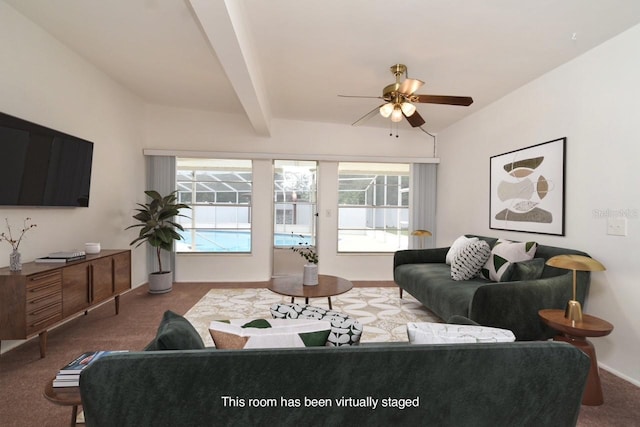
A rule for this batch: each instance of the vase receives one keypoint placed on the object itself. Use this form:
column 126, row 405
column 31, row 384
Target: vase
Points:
column 15, row 263
column 310, row 275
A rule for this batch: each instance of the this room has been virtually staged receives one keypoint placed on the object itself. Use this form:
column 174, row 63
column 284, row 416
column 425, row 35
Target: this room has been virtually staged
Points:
column 325, row 213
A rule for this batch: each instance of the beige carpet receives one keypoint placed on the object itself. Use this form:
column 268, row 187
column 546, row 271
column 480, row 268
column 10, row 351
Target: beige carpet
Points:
column 383, row 315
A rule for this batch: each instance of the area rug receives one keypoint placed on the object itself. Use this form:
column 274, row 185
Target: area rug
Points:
column 383, row 314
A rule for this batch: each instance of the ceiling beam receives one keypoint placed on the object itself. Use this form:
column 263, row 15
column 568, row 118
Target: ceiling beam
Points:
column 225, row 26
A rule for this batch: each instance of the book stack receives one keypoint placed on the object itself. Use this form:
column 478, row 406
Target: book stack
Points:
column 69, row 376
column 63, row 256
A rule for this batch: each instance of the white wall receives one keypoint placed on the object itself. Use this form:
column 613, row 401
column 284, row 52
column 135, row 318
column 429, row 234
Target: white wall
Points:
column 594, row 101
column 44, row 82
column 180, row 129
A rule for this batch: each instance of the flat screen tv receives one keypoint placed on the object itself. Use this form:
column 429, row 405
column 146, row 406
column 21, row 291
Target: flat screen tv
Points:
column 42, row 167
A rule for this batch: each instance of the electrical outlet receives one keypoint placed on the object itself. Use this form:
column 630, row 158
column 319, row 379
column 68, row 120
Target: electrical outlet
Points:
column 617, row 226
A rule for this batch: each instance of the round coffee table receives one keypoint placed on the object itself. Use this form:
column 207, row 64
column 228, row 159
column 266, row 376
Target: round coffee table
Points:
column 65, row 396
column 327, row 286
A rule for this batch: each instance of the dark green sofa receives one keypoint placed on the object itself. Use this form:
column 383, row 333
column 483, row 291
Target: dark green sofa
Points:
column 508, row 305
column 499, row 384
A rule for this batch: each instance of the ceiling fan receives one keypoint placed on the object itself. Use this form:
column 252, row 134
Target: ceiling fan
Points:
column 400, row 98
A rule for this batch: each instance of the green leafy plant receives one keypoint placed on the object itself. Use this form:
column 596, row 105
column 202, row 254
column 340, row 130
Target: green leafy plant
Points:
column 156, row 221
column 306, row 251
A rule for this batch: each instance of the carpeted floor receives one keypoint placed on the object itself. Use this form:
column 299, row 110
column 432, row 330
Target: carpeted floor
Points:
column 23, row 374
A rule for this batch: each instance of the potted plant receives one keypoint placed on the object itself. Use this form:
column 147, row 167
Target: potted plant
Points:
column 308, row 252
column 157, row 228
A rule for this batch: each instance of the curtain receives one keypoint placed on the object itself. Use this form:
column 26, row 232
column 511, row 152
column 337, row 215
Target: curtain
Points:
column 161, row 177
column 423, row 204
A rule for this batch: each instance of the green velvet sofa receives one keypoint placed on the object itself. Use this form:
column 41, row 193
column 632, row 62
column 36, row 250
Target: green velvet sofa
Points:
column 508, row 305
column 498, row 384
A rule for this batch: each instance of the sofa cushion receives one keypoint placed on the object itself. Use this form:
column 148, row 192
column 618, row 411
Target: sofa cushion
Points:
column 175, row 333
column 345, row 330
column 457, row 246
column 525, row 270
column 442, row 333
column 503, row 254
column 272, row 333
column 469, row 261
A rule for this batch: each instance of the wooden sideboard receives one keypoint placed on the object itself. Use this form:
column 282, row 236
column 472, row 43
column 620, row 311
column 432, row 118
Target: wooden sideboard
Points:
column 42, row 295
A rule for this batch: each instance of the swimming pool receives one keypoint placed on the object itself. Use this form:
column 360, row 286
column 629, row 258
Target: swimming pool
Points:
column 230, row 241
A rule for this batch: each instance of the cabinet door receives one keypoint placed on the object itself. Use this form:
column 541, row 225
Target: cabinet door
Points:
column 122, row 272
column 101, row 279
column 75, row 289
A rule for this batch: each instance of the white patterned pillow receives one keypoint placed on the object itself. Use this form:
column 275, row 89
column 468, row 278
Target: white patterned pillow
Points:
column 503, row 254
column 457, row 246
column 345, row 330
column 272, row 333
column 445, row 333
column 469, row 261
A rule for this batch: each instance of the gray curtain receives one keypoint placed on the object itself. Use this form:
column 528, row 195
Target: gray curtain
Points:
column 161, row 177
column 423, row 203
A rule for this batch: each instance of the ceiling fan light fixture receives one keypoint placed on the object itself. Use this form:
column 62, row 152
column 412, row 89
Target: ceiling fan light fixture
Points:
column 386, row 109
column 396, row 115
column 408, row 108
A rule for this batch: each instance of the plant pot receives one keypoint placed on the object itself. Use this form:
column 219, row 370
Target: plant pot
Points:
column 160, row 282
column 310, row 275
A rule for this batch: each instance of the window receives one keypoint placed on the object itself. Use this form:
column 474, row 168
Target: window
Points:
column 373, row 207
column 219, row 193
column 294, row 199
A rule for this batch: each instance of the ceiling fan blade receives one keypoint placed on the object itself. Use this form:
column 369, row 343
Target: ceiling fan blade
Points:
column 358, row 96
column 415, row 120
column 443, row 99
column 367, row 116
column 408, row 86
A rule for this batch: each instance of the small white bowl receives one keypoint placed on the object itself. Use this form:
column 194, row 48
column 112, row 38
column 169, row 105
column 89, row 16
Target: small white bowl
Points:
column 92, row 248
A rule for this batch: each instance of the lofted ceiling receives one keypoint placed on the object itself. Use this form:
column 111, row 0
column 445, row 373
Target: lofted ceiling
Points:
column 289, row 59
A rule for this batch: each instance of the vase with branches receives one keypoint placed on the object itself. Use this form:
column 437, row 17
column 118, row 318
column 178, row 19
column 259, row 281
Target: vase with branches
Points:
column 15, row 263
column 308, row 252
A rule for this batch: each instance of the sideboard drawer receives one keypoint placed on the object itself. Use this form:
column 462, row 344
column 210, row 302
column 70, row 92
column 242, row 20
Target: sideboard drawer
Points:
column 43, row 316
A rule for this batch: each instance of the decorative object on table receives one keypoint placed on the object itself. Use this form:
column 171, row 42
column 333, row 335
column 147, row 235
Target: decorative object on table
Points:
column 576, row 263
column 527, row 189
column 158, row 229
column 92, row 248
column 15, row 262
column 421, row 235
column 308, row 252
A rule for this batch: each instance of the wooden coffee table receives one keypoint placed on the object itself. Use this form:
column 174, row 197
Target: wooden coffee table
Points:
column 327, row 286
column 64, row 396
column 575, row 334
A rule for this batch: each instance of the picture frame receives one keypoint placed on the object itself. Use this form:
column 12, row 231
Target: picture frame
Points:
column 527, row 189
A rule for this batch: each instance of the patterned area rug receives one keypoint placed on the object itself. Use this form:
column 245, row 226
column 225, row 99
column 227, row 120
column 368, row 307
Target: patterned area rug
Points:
column 383, row 314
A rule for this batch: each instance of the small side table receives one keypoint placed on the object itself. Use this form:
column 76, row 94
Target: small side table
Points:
column 576, row 334
column 64, row 396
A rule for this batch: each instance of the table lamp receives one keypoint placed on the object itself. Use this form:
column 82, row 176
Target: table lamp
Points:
column 421, row 234
column 573, row 311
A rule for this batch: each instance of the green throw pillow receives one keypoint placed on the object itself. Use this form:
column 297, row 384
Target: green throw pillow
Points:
column 525, row 270
column 175, row 333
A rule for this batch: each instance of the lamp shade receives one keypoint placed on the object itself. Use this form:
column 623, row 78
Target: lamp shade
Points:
column 575, row 262
column 396, row 116
column 408, row 108
column 421, row 233
column 386, row 109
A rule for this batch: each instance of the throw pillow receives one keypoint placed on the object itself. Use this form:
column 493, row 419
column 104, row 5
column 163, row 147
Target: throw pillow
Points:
column 272, row 333
column 443, row 333
column 175, row 333
column 457, row 246
column 503, row 254
column 345, row 330
column 469, row 261
column 525, row 270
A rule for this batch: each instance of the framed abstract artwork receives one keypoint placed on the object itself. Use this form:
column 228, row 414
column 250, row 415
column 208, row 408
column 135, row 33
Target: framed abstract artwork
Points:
column 527, row 189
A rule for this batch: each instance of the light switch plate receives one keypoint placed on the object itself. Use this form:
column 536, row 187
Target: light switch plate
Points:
column 617, row 226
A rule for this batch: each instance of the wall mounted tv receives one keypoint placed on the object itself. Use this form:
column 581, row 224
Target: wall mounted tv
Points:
column 42, row 167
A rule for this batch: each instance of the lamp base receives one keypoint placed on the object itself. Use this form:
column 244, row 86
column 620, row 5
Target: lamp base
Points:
column 573, row 311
